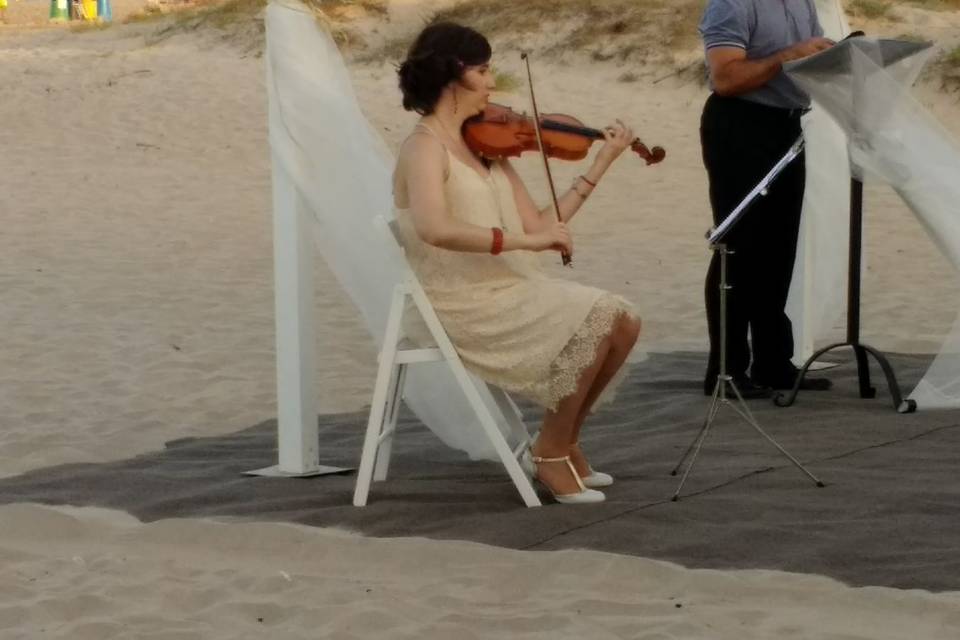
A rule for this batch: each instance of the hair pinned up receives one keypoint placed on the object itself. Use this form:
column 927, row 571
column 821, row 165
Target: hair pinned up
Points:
column 437, row 57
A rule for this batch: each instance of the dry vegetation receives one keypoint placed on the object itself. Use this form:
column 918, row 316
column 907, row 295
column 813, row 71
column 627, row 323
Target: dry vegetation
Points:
column 649, row 37
column 241, row 21
column 883, row 9
column 648, row 30
column 871, row 9
column 947, row 67
column 936, row 5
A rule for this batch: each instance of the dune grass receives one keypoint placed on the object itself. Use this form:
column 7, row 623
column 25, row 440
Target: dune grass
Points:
column 603, row 29
column 237, row 21
column 871, row 9
column 952, row 58
column 597, row 19
column 947, row 68
column 149, row 13
column 506, row 81
column 223, row 15
column 936, row 5
column 633, row 32
column 241, row 21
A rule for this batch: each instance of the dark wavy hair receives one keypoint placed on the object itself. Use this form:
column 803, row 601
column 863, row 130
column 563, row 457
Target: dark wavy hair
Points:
column 436, row 57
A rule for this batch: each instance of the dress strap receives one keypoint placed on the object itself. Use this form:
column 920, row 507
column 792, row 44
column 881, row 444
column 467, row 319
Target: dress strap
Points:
column 446, row 151
column 431, row 132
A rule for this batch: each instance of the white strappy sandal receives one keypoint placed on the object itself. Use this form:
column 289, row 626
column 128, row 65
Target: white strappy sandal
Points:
column 597, row 480
column 584, row 496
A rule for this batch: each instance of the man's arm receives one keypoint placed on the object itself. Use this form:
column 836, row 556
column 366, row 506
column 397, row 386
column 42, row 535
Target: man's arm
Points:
column 734, row 74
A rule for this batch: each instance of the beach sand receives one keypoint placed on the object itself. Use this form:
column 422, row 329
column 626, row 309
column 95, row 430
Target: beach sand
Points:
column 137, row 308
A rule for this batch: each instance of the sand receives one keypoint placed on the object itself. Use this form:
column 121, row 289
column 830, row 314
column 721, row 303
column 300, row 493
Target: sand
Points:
column 137, row 307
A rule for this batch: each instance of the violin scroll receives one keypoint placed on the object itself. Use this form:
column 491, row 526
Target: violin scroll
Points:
column 651, row 156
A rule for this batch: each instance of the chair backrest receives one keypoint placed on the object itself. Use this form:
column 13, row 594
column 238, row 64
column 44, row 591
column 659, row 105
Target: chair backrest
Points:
column 390, row 229
column 394, row 227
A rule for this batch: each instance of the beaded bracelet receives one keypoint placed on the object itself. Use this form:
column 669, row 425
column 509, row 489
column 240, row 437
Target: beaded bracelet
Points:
column 497, row 245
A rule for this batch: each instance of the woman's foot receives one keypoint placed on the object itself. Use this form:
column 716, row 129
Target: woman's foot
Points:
column 558, row 474
column 590, row 478
column 579, row 460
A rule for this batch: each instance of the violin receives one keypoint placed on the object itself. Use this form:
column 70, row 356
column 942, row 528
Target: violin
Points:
column 500, row 132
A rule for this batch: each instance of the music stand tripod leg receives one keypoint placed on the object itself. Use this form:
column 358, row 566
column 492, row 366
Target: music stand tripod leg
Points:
column 697, row 442
column 748, row 417
column 723, row 378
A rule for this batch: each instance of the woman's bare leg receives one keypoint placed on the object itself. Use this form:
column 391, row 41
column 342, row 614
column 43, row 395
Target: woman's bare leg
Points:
column 624, row 336
column 558, row 427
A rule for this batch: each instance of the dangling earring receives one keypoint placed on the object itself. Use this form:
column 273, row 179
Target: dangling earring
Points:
column 460, row 67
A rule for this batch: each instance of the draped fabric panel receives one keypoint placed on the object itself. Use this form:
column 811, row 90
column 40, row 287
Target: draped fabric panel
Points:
column 341, row 170
column 818, row 290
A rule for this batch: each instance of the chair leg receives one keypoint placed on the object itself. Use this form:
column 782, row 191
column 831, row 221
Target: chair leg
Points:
column 480, row 408
column 510, row 411
column 389, row 432
column 507, row 457
column 378, row 405
column 370, row 443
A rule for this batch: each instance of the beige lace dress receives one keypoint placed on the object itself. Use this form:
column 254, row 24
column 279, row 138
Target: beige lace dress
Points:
column 511, row 324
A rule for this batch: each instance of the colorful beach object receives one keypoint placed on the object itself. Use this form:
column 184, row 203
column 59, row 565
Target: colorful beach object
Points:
column 59, row 10
column 90, row 10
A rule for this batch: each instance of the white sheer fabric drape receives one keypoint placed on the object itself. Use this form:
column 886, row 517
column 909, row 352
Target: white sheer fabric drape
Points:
column 865, row 85
column 817, row 290
column 341, row 170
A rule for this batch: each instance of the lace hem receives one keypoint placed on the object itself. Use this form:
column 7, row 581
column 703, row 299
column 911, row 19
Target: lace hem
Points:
column 581, row 352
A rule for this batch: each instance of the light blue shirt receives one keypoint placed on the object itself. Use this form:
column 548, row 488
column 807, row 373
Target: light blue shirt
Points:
column 762, row 28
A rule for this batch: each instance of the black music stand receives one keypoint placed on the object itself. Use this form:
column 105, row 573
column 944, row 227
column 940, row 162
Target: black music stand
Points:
column 725, row 382
column 828, row 65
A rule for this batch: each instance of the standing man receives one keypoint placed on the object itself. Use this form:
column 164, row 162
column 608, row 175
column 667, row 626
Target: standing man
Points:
column 749, row 122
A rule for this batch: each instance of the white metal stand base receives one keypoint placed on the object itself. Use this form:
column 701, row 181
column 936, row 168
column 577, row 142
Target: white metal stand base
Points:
column 720, row 399
column 276, row 472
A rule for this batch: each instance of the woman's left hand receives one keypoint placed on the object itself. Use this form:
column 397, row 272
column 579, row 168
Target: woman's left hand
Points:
column 618, row 138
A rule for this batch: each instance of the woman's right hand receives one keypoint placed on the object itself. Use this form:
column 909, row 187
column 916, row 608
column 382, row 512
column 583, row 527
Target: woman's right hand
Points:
column 556, row 237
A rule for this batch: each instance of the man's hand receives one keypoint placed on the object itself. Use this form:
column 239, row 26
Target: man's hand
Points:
column 806, row 48
column 734, row 74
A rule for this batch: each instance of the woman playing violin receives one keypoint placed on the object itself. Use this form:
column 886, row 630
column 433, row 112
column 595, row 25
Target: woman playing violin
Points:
column 470, row 228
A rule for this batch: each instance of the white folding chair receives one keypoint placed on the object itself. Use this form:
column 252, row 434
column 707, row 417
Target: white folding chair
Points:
column 394, row 360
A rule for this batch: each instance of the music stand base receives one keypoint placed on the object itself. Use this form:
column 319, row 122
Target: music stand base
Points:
column 860, row 351
column 718, row 400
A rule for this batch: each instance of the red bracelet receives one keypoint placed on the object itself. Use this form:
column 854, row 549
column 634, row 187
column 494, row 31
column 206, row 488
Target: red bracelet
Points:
column 592, row 184
column 497, row 246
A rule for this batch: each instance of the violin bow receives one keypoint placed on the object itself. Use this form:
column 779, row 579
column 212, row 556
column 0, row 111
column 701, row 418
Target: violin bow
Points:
column 525, row 56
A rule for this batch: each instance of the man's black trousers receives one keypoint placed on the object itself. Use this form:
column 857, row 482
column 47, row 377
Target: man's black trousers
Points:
column 742, row 141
